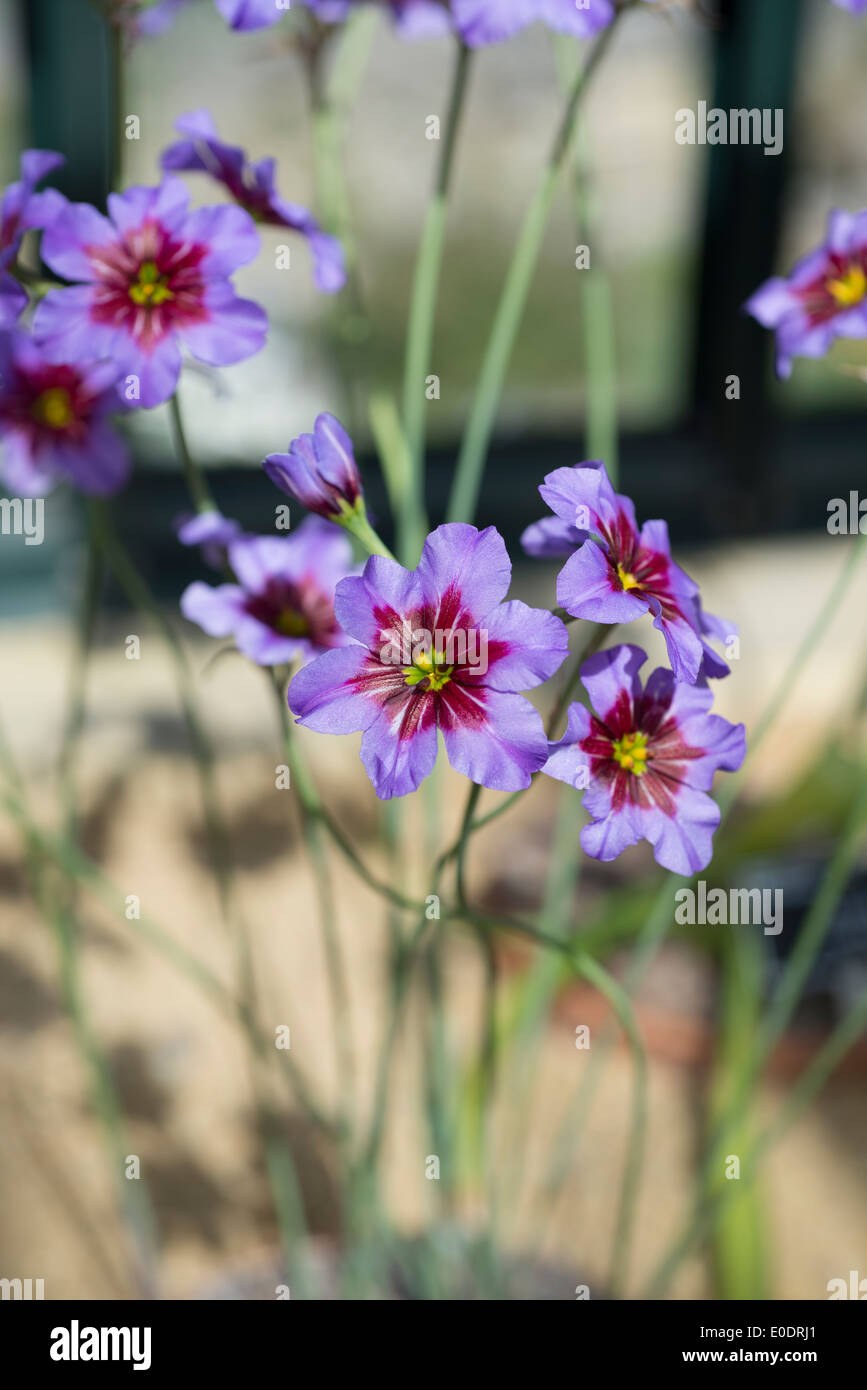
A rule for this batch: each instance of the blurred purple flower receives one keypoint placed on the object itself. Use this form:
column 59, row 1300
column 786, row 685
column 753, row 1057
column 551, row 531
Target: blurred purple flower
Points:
column 253, row 188
column 22, row 209
column 154, row 277
column 647, row 759
column 824, row 298
column 410, row 670
column 414, row 19
column 616, row 573
column 282, row 606
column 482, row 22
column 54, row 422
column 320, row 470
column 855, row 6
column 210, row 530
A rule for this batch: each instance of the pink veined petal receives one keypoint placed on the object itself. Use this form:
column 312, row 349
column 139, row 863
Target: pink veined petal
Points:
column 77, row 232
column 323, row 695
column 230, row 235
column 166, row 203
column 683, row 842
column 157, row 371
column 235, row 328
column 372, row 607
column 464, row 573
column 65, row 331
column 524, row 646
column 610, row 674
column 399, row 748
column 493, row 738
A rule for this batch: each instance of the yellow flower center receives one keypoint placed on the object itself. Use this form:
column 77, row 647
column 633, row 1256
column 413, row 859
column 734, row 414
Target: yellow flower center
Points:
column 54, row 408
column 292, row 624
column 850, row 289
column 630, row 752
column 151, row 288
column 627, row 580
column 432, row 669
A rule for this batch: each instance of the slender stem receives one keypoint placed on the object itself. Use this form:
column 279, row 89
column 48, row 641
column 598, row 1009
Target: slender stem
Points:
column 507, row 322
column 195, row 480
column 422, row 313
column 335, row 967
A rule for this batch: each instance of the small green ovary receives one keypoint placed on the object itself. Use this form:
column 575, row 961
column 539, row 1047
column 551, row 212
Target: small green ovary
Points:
column 53, row 408
column 630, row 753
column 432, row 669
column 150, row 289
column 291, row 624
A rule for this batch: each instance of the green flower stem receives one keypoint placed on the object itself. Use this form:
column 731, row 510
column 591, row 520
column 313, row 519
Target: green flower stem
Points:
column 471, row 460
column 311, row 830
column 422, row 314
column 194, row 478
column 358, row 526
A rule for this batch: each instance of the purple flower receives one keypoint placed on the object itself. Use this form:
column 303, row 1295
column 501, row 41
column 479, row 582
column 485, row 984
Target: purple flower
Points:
column 23, row 210
column 482, row 22
column 855, row 6
column 154, row 277
column 616, row 573
column 210, row 530
column 53, row 422
column 252, row 14
column 320, row 471
column 414, row 19
column 435, row 648
column 824, row 298
column 253, row 188
column 647, row 758
column 282, row 606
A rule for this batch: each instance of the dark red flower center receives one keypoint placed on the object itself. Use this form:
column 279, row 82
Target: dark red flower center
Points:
column 295, row 610
column 149, row 283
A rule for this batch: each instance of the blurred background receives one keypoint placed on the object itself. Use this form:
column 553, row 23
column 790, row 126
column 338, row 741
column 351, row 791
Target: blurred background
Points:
column 682, row 235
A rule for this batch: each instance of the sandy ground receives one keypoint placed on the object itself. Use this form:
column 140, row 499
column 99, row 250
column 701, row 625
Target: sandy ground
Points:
column 180, row 1065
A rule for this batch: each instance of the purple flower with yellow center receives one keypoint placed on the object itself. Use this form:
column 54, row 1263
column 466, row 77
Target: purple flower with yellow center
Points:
column 54, row 422
column 212, row 532
column 154, row 278
column 22, row 209
column 617, row 572
column 282, row 607
column 320, row 471
column 253, row 188
column 646, row 757
column 436, row 649
column 413, row 19
column 824, row 298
